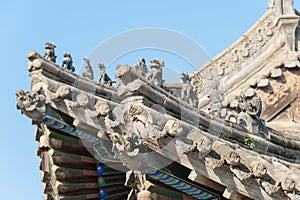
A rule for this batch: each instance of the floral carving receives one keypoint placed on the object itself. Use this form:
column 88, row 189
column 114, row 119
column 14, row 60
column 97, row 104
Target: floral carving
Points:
column 237, row 56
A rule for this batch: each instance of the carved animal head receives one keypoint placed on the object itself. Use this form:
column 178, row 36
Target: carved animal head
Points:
column 101, row 66
column 288, row 184
column 259, row 170
column 116, row 138
column 173, row 127
column 86, row 61
column 204, row 146
column 184, row 76
column 20, row 94
column 154, row 61
column 63, row 91
column 233, row 158
column 161, row 62
column 66, row 54
column 141, row 61
column 102, row 108
column 50, row 45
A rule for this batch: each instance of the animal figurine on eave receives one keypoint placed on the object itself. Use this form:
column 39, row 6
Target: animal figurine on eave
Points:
column 68, row 62
column 104, row 78
column 88, row 69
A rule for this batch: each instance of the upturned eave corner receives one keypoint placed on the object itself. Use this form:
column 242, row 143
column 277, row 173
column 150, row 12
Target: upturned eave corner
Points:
column 213, row 123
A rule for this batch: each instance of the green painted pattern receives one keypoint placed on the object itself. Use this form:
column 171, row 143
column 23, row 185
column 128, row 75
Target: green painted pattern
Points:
column 182, row 186
column 70, row 130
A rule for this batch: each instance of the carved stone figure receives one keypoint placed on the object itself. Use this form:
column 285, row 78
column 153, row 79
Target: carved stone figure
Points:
column 249, row 110
column 259, row 170
column 187, row 93
column 227, row 153
column 103, row 75
column 31, row 104
column 102, row 108
column 204, row 146
column 254, row 106
column 140, row 67
column 215, row 100
column 173, row 127
column 50, row 52
column 124, row 130
column 68, row 62
column 88, row 69
column 155, row 73
column 288, row 184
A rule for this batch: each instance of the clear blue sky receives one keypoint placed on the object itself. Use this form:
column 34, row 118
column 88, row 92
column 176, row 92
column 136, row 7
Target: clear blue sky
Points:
column 77, row 27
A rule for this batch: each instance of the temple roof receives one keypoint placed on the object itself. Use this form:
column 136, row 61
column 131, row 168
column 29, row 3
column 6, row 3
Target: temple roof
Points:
column 229, row 130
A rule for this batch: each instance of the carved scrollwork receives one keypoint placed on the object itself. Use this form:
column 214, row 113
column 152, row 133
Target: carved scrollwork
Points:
column 128, row 142
column 232, row 158
column 247, row 47
column 31, row 104
column 80, row 100
column 292, row 60
column 213, row 162
column 197, row 84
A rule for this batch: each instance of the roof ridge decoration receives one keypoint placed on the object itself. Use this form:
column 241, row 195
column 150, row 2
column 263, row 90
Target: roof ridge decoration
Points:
column 136, row 126
column 151, row 124
column 273, row 33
